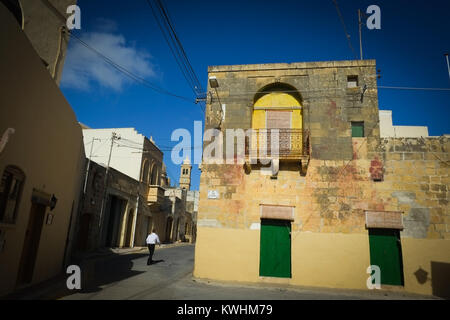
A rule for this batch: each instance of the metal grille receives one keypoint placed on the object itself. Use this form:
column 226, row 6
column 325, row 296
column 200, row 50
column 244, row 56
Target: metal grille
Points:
column 281, row 143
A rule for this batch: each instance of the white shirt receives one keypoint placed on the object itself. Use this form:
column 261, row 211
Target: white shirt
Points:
column 152, row 238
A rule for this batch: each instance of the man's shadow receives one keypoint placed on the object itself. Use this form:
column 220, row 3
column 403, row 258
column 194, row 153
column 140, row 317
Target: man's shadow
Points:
column 156, row 261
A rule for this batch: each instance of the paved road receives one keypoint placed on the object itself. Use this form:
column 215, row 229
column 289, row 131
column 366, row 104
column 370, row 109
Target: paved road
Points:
column 128, row 277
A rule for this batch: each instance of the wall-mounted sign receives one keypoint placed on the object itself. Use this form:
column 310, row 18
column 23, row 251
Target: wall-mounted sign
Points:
column 213, row 194
column 49, row 218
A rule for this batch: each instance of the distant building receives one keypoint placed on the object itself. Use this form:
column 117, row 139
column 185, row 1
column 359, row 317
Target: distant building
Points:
column 139, row 158
column 108, row 210
column 388, row 130
column 180, row 207
column 185, row 174
column 41, row 153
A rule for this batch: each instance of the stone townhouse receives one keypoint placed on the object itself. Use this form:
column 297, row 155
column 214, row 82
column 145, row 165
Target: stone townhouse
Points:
column 337, row 199
column 41, row 146
column 113, row 226
column 139, row 158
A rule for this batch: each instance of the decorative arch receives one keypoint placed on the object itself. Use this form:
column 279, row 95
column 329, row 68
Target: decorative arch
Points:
column 279, row 106
column 278, row 87
column 145, row 171
column 154, row 174
column 277, row 97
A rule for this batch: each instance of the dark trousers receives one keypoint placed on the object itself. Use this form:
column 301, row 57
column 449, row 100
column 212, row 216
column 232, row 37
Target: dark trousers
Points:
column 151, row 250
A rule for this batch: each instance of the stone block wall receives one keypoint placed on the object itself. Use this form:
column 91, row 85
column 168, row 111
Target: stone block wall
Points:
column 328, row 105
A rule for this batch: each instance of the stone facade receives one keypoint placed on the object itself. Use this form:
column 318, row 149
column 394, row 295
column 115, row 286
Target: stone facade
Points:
column 44, row 23
column 41, row 209
column 345, row 177
column 94, row 229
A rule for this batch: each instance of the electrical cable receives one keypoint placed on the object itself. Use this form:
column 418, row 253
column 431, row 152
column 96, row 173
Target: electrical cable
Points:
column 129, row 73
column 345, row 28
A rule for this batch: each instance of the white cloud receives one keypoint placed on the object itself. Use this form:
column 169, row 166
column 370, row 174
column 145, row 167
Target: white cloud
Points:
column 83, row 67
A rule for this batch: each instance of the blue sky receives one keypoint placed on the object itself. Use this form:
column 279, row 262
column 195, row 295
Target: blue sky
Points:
column 409, row 50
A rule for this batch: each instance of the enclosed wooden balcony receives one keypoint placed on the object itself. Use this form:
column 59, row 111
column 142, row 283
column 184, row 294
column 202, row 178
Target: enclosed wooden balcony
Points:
column 155, row 195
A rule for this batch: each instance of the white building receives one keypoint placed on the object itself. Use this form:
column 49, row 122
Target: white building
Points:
column 138, row 157
column 388, row 130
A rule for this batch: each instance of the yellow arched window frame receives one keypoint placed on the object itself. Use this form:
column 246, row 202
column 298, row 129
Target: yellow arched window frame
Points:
column 283, row 102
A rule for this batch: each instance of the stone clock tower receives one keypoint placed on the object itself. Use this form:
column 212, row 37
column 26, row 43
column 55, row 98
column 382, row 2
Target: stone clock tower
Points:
column 185, row 174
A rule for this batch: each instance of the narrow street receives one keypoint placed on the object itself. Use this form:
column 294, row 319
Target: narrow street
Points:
column 127, row 277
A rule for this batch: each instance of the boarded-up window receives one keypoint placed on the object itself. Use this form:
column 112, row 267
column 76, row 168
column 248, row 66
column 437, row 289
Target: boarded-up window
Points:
column 278, row 119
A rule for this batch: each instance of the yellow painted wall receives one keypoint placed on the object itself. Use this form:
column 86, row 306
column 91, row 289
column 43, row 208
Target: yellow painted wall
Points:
column 227, row 254
column 419, row 254
column 47, row 145
column 273, row 101
column 330, row 260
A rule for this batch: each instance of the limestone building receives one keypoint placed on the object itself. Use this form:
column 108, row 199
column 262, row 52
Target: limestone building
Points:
column 139, row 158
column 185, row 174
column 44, row 23
column 107, row 215
column 41, row 160
column 332, row 198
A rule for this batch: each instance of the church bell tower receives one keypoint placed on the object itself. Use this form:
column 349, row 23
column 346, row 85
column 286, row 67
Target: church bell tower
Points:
column 185, row 174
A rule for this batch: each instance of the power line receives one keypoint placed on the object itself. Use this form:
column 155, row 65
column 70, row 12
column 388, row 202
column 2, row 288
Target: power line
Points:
column 412, row 88
column 345, row 28
column 129, row 73
column 167, row 28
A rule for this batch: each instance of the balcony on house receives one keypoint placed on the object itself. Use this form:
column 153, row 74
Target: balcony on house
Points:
column 155, row 195
column 284, row 144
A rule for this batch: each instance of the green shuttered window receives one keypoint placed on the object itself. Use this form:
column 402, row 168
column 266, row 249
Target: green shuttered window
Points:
column 357, row 129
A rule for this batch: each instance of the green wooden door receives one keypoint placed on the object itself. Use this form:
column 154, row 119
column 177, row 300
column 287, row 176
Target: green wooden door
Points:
column 275, row 251
column 385, row 252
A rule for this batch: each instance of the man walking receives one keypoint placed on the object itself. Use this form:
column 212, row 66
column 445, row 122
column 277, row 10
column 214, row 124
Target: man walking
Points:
column 152, row 239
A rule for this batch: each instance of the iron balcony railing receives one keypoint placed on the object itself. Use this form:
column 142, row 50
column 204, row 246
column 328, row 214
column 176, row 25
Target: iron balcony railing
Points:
column 288, row 144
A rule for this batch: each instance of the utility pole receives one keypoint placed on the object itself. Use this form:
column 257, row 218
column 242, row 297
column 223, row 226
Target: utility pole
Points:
column 88, row 165
column 114, row 136
column 360, row 36
column 448, row 65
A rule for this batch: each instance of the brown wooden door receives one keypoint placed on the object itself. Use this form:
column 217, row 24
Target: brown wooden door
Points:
column 31, row 244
